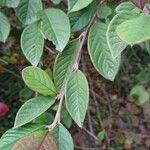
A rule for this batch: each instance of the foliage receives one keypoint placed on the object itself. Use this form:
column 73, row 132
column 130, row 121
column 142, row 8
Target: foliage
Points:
column 108, row 34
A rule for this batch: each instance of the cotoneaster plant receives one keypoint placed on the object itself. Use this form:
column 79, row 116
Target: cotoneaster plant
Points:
column 107, row 32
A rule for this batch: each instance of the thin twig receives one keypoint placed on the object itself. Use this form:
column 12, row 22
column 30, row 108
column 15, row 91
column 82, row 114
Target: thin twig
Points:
column 82, row 38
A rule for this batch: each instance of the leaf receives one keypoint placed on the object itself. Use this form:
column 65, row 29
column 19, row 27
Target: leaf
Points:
column 4, row 27
column 80, row 19
column 27, row 9
column 55, row 27
column 100, row 53
column 134, row 31
column 116, row 45
column 9, row 3
column 13, row 135
column 139, row 95
column 76, row 5
column 63, row 64
column 104, row 11
column 63, row 138
column 36, row 106
column 38, row 80
column 126, row 7
column 147, row 43
column 36, row 141
column 32, row 43
column 77, row 97
column 101, row 135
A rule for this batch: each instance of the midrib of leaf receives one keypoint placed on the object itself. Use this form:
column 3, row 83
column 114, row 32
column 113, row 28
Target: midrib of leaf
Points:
column 42, row 84
column 74, row 4
column 43, row 140
column 78, row 100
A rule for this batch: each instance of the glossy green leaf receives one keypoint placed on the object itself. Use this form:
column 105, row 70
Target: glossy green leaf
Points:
column 80, row 19
column 38, row 80
column 39, row 140
column 9, row 3
column 4, row 27
column 32, row 43
column 13, row 135
column 104, row 11
column 127, row 7
column 76, row 5
column 134, row 31
column 77, row 97
column 55, row 27
column 100, row 53
column 63, row 64
column 27, row 9
column 36, row 106
column 116, row 45
column 63, row 138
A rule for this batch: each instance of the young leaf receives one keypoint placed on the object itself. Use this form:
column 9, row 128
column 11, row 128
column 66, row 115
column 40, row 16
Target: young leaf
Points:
column 32, row 43
column 100, row 53
column 77, row 97
column 76, row 5
column 4, row 27
column 27, row 9
column 134, row 31
column 39, row 140
column 36, row 106
column 63, row 63
column 9, row 3
column 80, row 19
column 126, row 7
column 13, row 135
column 116, row 45
column 38, row 80
column 63, row 138
column 55, row 27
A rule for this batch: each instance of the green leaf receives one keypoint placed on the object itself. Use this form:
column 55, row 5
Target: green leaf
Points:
column 139, row 95
column 77, row 96
column 101, row 135
column 38, row 140
column 135, row 31
column 27, row 9
column 63, row 138
column 38, row 80
column 100, row 53
column 76, row 5
column 80, row 19
column 63, row 64
column 104, row 11
column 4, row 27
column 36, row 106
column 32, row 43
column 116, row 45
column 127, row 7
column 9, row 3
column 13, row 135
column 55, row 27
